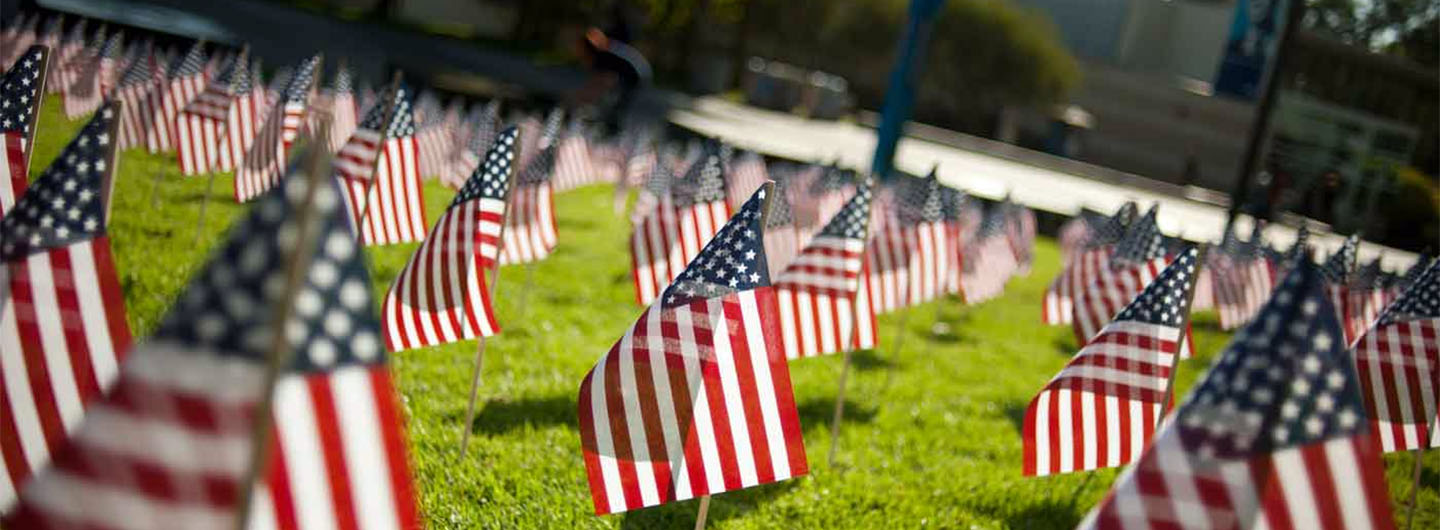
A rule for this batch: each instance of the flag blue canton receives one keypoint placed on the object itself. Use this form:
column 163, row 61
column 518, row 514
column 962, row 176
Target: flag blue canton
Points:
column 297, row 88
column 780, row 212
column 731, row 262
column 1421, row 299
column 1142, row 242
column 1285, row 380
column 853, row 220
column 65, row 204
column 1164, row 300
column 703, row 181
column 191, row 64
column 18, row 91
column 919, row 200
column 1341, row 264
column 1299, row 249
column 491, row 180
column 141, row 70
column 343, row 83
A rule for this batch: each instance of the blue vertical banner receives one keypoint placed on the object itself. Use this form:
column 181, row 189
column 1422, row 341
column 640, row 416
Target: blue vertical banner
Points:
column 1254, row 36
column 905, row 76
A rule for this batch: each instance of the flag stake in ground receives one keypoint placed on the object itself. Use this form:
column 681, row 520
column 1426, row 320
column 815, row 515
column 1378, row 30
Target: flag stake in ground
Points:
column 702, row 512
column 280, row 350
column 1414, row 488
column 845, row 364
column 480, row 350
column 210, row 186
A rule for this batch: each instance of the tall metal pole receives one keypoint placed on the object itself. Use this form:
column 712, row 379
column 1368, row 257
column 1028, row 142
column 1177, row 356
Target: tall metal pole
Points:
column 1260, row 130
column 900, row 96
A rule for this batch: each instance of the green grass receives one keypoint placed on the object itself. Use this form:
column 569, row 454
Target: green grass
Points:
column 930, row 436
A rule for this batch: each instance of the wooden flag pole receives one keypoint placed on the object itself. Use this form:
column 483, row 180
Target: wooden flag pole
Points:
column 1180, row 344
column 854, row 340
column 280, row 348
column 899, row 344
column 1414, row 488
column 703, row 512
column 525, row 290
column 494, row 285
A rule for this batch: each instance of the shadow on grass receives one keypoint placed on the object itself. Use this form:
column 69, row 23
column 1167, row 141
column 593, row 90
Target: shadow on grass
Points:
column 869, row 361
column 726, row 506
column 502, row 416
column 1045, row 513
column 1015, row 412
column 1065, row 345
column 821, row 410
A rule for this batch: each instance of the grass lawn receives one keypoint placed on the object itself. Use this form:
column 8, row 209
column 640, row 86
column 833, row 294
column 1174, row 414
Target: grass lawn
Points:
column 931, row 433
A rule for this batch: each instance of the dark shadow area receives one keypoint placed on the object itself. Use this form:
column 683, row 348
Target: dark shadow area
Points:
column 501, row 416
column 868, row 361
column 622, row 277
column 1045, row 513
column 722, row 507
column 1065, row 345
column 820, row 410
column 1015, row 412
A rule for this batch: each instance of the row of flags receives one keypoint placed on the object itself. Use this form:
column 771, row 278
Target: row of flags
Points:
column 1286, row 428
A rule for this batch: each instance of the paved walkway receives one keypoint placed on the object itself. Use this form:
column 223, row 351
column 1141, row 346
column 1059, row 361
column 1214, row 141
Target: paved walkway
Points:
column 983, row 175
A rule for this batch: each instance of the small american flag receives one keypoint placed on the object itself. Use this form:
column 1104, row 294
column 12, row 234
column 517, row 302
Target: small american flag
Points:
column 442, row 295
column 1020, row 228
column 62, row 315
column 434, row 136
column 1338, row 270
column 781, row 238
column 931, row 253
column 529, row 234
column 1138, row 257
column 682, row 221
column 66, row 48
column 136, row 86
column 573, row 165
column 1398, row 363
column 265, row 163
column 817, row 293
column 745, row 175
column 377, row 168
column 1273, row 436
column 695, row 399
column 18, row 35
column 1101, row 409
column 94, row 75
column 988, row 259
column 341, row 103
column 184, row 79
column 481, row 127
column 1089, row 256
column 1242, row 280
column 215, row 130
column 20, row 95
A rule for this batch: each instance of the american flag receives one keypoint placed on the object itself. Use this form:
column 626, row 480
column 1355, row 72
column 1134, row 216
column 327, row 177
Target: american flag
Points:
column 573, row 165
column 338, row 456
column 529, row 233
column 434, row 136
column 377, row 169
column 1299, row 250
column 988, row 260
column 62, row 315
column 18, row 35
column 215, row 130
column 1273, row 436
column 1138, row 257
column 817, row 293
column 93, row 77
column 1338, row 270
column 265, row 162
column 482, row 128
column 1089, row 256
column 184, row 80
column 820, row 192
column 1242, row 281
column 745, row 175
column 137, row 83
column 21, row 88
column 695, row 399
column 919, row 222
column 680, row 224
column 781, row 239
column 66, row 49
column 1398, row 362
column 442, row 295
column 81, row 54
column 1101, row 409
column 1020, row 230
column 341, row 104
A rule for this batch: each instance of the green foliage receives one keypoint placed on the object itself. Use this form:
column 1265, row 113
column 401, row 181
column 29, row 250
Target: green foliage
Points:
column 1414, row 212
column 931, row 432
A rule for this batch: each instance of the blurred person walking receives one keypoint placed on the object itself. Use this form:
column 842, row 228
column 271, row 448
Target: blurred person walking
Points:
column 617, row 72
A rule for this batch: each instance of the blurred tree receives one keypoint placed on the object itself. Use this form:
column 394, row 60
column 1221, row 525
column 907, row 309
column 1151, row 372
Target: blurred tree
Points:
column 1398, row 27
